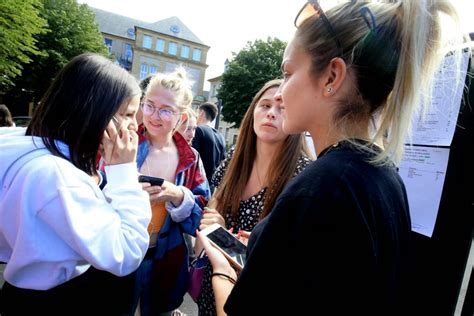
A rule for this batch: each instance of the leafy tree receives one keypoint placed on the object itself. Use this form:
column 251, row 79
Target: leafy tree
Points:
column 248, row 71
column 19, row 23
column 72, row 31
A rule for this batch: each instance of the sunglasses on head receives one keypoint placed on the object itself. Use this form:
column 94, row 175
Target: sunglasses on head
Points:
column 312, row 8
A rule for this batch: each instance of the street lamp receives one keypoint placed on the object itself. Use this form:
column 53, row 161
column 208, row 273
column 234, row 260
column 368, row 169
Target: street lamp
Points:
column 219, row 109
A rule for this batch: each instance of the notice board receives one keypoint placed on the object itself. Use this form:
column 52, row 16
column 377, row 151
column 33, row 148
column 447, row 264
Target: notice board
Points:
column 443, row 213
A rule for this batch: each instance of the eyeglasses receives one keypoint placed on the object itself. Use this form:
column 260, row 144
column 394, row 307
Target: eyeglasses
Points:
column 164, row 114
column 312, row 8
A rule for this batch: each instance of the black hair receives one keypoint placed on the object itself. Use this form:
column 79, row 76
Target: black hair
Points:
column 79, row 104
column 210, row 109
column 144, row 85
column 5, row 116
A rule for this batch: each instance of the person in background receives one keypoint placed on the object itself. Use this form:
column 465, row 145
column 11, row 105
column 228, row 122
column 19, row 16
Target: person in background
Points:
column 188, row 125
column 187, row 129
column 143, row 85
column 338, row 237
column 250, row 178
column 5, row 116
column 162, row 278
column 207, row 140
column 68, row 245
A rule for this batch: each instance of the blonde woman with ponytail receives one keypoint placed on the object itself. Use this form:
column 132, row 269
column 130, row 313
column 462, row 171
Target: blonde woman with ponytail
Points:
column 162, row 278
column 337, row 240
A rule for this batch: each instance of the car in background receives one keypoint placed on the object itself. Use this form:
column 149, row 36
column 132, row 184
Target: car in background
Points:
column 21, row 120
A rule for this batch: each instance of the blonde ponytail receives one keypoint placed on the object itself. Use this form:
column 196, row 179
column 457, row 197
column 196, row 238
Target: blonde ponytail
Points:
column 420, row 56
column 393, row 50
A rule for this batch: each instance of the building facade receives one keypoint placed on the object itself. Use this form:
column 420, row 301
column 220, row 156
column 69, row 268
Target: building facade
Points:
column 147, row 48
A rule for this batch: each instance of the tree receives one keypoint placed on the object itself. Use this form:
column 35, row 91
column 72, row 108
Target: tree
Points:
column 72, row 30
column 19, row 23
column 248, row 71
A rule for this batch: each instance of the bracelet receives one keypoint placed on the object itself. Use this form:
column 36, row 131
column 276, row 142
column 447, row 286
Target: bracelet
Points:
column 228, row 277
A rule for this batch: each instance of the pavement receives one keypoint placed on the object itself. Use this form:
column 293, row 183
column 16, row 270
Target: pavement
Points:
column 188, row 307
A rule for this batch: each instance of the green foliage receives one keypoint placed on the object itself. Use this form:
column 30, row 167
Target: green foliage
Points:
column 19, row 23
column 72, row 30
column 254, row 65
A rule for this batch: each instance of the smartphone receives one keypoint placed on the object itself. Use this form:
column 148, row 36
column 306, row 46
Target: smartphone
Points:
column 234, row 250
column 151, row 180
column 117, row 125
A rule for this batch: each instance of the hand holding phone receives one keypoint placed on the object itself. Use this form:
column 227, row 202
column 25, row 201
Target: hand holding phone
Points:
column 151, row 180
column 232, row 248
column 118, row 145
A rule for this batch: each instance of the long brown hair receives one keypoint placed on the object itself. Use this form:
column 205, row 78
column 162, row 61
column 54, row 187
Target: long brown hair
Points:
column 281, row 170
column 5, row 116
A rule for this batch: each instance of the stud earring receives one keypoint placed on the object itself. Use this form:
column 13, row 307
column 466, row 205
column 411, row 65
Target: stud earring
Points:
column 329, row 89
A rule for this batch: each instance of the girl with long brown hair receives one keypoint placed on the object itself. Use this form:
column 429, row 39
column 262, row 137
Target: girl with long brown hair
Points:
column 254, row 173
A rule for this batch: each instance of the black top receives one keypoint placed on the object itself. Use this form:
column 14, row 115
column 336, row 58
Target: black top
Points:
column 246, row 219
column 335, row 243
column 211, row 146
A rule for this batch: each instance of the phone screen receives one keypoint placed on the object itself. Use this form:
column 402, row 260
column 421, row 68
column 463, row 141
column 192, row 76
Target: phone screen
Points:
column 231, row 245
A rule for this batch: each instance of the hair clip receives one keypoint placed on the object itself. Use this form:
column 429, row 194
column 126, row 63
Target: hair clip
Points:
column 366, row 14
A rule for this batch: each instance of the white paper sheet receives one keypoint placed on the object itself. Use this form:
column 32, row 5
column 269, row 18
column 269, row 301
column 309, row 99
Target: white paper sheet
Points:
column 423, row 169
column 437, row 126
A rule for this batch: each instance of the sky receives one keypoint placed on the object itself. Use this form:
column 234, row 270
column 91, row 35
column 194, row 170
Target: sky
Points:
column 226, row 26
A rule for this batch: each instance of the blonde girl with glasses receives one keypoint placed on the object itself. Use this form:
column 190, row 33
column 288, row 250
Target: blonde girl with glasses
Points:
column 337, row 241
column 162, row 278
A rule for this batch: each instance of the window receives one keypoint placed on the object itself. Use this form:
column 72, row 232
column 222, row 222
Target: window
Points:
column 148, row 66
column 170, row 67
column 160, row 45
column 197, row 54
column 214, row 90
column 185, row 51
column 108, row 43
column 234, row 139
column 146, row 41
column 194, row 75
column 143, row 71
column 127, row 52
column 173, row 48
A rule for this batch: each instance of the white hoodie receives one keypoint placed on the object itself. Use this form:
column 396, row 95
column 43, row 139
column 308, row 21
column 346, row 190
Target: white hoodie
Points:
column 55, row 222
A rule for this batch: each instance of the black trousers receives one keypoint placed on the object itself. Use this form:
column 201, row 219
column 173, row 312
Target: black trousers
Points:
column 95, row 292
